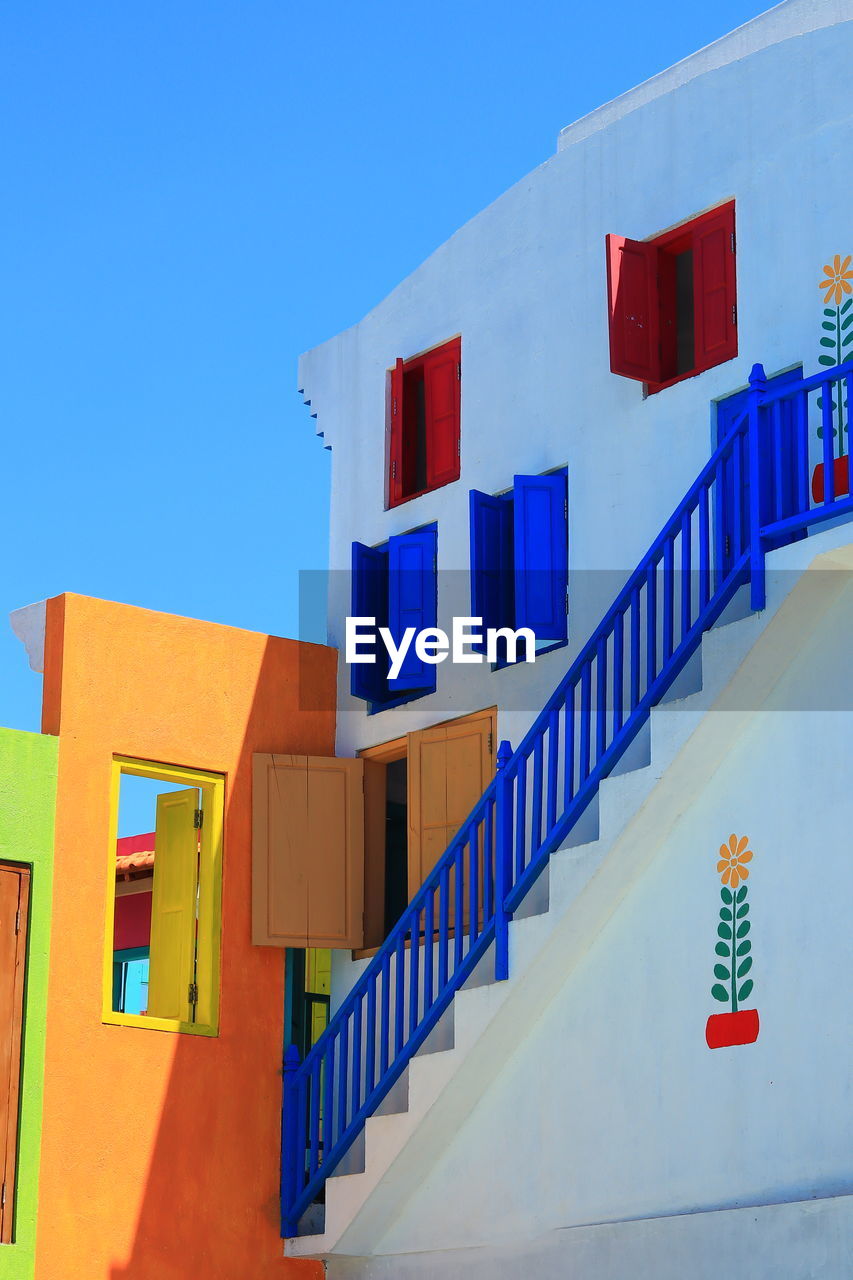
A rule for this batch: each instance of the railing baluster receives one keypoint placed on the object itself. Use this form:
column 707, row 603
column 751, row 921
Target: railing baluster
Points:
column 370, row 1057
column 443, row 926
column 343, row 1075
column 569, row 746
column 651, row 624
column 503, row 860
column 488, row 862
column 356, row 1055
column 848, row 387
column 586, row 722
column 520, row 818
column 601, row 698
column 314, row 1123
column 329, row 1096
column 828, row 430
column 414, row 970
column 553, row 764
column 536, row 829
column 618, row 664
column 291, row 1181
column 801, row 411
column 458, row 907
column 778, row 468
column 429, row 939
column 399, row 991
column 668, row 596
column 635, row 647
column 738, row 538
column 385, row 1026
column 686, row 575
column 473, row 884
column 704, row 547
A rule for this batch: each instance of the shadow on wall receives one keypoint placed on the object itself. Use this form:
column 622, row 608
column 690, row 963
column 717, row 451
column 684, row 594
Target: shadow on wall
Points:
column 205, row 1151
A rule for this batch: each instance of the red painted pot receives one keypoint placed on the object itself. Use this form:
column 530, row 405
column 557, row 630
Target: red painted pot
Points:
column 723, row 1029
column 841, row 476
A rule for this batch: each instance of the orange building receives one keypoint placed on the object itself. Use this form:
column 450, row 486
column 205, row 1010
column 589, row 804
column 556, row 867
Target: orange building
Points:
column 161, row 1129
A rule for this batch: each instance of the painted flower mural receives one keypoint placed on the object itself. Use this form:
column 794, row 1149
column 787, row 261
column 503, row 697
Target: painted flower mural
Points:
column 837, row 341
column 734, row 951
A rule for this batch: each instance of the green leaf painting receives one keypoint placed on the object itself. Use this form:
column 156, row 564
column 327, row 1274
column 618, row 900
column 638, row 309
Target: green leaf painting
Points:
column 837, row 343
column 734, row 948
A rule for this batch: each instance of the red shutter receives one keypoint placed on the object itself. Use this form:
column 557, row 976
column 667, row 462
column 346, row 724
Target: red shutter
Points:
column 441, row 393
column 714, row 287
column 634, row 306
column 395, row 436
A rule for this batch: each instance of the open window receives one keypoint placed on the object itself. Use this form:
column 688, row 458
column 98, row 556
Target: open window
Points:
column 340, row 846
column 14, row 919
column 418, row 790
column 165, row 877
column 672, row 300
column 423, row 422
column 397, row 584
column 519, row 557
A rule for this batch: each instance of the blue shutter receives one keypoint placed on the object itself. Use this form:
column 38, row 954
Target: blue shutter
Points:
column 369, row 680
column 492, row 581
column 412, row 600
column 541, row 554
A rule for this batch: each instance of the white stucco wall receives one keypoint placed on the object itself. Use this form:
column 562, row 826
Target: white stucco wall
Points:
column 763, row 116
column 612, row 1110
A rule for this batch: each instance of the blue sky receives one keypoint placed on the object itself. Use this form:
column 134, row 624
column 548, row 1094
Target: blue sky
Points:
column 193, row 194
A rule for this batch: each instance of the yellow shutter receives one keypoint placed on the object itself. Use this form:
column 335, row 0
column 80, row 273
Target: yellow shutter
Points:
column 307, row 851
column 450, row 766
column 173, row 906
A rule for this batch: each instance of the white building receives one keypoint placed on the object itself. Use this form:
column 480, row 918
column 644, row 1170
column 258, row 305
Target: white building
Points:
column 574, row 1116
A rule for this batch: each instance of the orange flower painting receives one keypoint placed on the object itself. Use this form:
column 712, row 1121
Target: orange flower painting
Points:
column 838, row 278
column 733, row 859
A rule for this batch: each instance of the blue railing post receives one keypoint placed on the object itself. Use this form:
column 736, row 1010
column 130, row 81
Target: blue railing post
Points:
column 290, row 1167
column 503, row 859
column 757, row 391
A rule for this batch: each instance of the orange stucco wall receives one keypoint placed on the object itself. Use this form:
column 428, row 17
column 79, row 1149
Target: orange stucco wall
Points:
column 160, row 1151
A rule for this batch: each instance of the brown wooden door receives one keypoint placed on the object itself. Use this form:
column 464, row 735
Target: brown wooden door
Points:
column 14, row 914
column 450, row 766
column 307, row 851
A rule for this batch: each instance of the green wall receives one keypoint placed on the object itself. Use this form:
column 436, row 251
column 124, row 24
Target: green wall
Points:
column 27, row 800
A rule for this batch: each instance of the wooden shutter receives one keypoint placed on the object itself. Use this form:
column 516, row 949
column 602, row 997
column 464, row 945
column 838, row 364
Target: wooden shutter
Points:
column 412, row 601
column 449, row 768
column 442, row 384
column 541, row 554
column 369, row 680
column 307, row 851
column 714, row 289
column 634, row 308
column 14, row 917
column 395, row 435
column 173, row 906
column 492, row 578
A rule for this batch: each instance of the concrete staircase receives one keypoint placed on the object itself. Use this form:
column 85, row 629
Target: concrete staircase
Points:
column 739, row 664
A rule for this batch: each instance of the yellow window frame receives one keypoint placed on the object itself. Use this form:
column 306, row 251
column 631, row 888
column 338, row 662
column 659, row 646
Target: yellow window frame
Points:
column 212, row 786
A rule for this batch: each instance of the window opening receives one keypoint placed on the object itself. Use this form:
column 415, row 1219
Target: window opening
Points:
column 165, row 879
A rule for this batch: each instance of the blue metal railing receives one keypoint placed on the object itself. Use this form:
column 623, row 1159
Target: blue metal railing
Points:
column 714, row 542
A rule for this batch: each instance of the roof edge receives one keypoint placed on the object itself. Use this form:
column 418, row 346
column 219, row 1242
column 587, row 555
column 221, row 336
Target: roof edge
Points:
column 783, row 22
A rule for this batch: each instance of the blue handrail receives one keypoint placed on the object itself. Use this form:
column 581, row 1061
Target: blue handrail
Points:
column 714, row 542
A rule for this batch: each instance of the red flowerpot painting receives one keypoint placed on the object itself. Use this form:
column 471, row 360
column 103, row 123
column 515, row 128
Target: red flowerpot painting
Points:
column 841, row 477
column 734, row 951
column 724, row 1029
